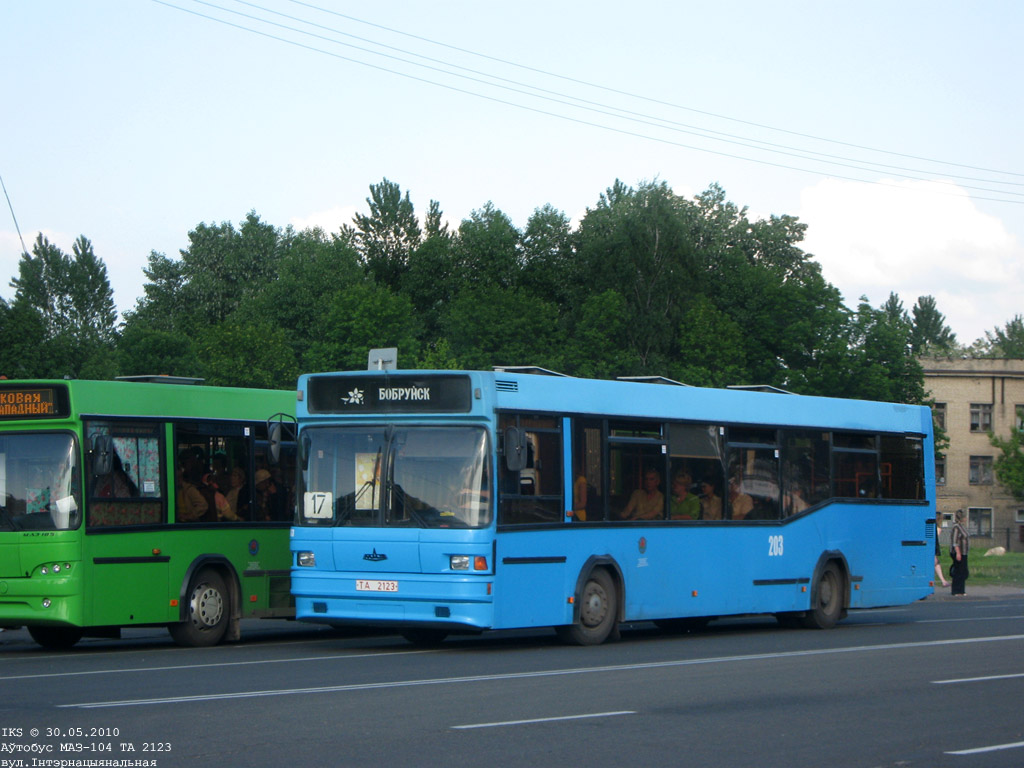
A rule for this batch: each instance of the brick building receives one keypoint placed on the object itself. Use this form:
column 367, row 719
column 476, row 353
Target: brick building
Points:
column 972, row 398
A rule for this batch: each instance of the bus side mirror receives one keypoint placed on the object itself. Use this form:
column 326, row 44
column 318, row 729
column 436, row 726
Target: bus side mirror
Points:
column 102, row 454
column 515, row 449
column 276, row 435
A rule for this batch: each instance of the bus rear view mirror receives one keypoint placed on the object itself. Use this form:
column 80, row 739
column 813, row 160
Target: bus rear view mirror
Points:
column 515, row 449
column 276, row 435
column 102, row 454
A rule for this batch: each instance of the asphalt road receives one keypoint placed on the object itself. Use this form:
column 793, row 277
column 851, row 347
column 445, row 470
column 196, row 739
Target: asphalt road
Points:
column 938, row 683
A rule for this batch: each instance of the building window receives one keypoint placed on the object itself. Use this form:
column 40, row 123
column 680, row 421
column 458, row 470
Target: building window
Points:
column 939, row 415
column 1019, row 420
column 981, row 470
column 940, row 470
column 981, row 417
column 1019, row 515
column 979, row 521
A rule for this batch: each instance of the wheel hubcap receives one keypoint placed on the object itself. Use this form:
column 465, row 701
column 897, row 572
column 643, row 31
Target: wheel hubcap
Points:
column 207, row 607
column 595, row 606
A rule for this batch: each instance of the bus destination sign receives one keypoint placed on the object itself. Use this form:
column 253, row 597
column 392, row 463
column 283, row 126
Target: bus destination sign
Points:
column 32, row 402
column 390, row 394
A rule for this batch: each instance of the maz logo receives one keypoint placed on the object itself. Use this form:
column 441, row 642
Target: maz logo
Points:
column 373, row 557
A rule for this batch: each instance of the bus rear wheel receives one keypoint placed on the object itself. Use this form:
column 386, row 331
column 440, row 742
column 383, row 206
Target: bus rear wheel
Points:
column 208, row 611
column 827, row 606
column 599, row 608
column 56, row 638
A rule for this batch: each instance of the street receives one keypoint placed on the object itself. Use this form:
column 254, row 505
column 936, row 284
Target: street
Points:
column 938, row 683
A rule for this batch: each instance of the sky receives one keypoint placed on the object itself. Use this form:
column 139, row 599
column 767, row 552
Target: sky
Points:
column 892, row 130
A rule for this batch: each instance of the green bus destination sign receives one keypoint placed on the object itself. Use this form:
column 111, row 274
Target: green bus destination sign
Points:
column 390, row 394
column 31, row 402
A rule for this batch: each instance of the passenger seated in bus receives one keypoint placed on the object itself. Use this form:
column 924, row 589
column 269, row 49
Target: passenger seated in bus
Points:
column 710, row 501
column 647, row 503
column 220, row 500
column 238, row 495
column 192, row 506
column 684, row 505
column 740, row 503
column 269, row 500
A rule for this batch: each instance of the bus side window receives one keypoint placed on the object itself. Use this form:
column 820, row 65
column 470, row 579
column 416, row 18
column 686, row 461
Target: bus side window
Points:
column 130, row 491
column 587, row 484
column 534, row 493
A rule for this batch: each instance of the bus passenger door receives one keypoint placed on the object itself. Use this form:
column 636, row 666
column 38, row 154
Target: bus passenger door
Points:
column 125, row 514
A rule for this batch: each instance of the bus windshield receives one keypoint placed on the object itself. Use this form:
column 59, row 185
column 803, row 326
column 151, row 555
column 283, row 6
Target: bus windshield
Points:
column 38, row 482
column 420, row 477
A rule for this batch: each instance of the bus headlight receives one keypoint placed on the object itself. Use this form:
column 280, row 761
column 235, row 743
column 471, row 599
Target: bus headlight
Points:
column 462, row 562
column 305, row 559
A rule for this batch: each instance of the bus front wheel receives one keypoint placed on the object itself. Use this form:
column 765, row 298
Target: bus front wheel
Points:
column 827, row 601
column 208, row 611
column 599, row 608
column 56, row 638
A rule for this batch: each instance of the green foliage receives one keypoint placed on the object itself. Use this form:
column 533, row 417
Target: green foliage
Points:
column 1009, row 465
column 930, row 335
column 490, row 325
column 362, row 316
column 1005, row 342
column 390, row 233
column 72, row 297
column 648, row 283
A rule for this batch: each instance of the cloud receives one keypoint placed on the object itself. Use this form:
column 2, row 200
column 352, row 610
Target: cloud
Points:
column 916, row 239
column 330, row 221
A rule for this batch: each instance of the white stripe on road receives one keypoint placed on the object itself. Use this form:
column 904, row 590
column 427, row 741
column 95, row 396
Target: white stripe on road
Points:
column 994, row 748
column 538, row 674
column 541, row 720
column 978, row 679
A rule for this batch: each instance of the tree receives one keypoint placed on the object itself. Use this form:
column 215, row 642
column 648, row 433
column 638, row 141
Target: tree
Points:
column 73, row 296
column 638, row 243
column 22, row 341
column 548, row 265
column 362, row 317
column 390, row 233
column 489, row 325
column 1009, row 466
column 488, row 249
column 1006, row 342
column 930, row 335
column 222, row 266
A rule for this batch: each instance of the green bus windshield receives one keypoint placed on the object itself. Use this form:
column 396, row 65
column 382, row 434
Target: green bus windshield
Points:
column 39, row 482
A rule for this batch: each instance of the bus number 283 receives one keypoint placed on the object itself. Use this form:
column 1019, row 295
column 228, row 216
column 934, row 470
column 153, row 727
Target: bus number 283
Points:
column 775, row 546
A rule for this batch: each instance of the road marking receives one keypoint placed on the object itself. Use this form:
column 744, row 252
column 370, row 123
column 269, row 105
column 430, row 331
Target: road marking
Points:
column 974, row 618
column 541, row 720
column 537, row 674
column 978, row 679
column 993, row 748
column 175, row 667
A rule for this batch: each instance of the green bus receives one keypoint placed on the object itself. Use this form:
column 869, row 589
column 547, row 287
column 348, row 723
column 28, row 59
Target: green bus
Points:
column 148, row 502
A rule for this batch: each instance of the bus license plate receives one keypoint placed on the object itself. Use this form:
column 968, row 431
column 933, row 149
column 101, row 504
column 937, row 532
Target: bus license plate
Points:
column 372, row 585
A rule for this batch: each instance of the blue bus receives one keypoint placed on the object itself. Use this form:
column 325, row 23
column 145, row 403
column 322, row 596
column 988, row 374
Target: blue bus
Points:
column 439, row 502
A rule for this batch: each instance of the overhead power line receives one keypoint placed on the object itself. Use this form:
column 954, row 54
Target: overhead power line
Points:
column 646, row 98
column 473, row 76
column 16, row 227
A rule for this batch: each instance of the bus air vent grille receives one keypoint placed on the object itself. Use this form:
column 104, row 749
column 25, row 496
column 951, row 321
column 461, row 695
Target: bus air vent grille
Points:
column 506, row 386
